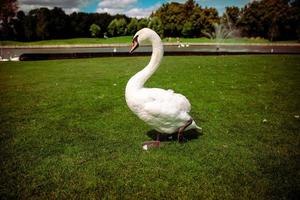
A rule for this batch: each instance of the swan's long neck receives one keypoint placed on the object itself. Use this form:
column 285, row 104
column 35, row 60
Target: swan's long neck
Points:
column 140, row 78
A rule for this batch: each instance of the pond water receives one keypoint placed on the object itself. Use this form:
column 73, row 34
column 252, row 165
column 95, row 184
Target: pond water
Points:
column 170, row 49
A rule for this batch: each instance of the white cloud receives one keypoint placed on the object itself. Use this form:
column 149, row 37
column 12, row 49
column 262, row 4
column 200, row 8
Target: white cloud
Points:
column 138, row 12
column 71, row 10
column 112, row 11
column 127, row 7
column 178, row 1
column 68, row 6
column 142, row 12
column 116, row 4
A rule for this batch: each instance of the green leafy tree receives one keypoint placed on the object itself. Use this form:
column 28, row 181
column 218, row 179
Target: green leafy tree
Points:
column 209, row 18
column 295, row 17
column 8, row 10
column 173, row 17
column 198, row 21
column 272, row 19
column 50, row 24
column 43, row 23
column 187, row 19
column 231, row 15
column 117, row 27
column 142, row 23
column 101, row 19
column 203, row 20
column 189, row 7
column 187, row 30
column 79, row 24
column 122, row 27
column 95, row 30
column 250, row 23
column 59, row 26
column 112, row 27
column 19, row 26
column 132, row 26
column 30, row 25
column 156, row 24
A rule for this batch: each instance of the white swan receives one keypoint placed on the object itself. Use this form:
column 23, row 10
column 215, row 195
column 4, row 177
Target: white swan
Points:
column 164, row 110
column 16, row 58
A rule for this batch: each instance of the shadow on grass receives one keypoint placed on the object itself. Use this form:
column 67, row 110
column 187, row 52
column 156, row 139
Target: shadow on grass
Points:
column 187, row 135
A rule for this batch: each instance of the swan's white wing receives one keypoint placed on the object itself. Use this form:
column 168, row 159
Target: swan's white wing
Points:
column 165, row 104
column 167, row 96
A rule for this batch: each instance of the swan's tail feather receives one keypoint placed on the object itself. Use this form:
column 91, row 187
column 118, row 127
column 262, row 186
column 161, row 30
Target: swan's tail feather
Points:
column 194, row 125
column 199, row 128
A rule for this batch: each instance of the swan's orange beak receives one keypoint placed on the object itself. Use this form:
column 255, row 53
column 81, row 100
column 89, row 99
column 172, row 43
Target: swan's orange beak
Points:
column 134, row 45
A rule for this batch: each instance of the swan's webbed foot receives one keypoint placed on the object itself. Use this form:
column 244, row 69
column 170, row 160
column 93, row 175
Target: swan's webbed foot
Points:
column 151, row 144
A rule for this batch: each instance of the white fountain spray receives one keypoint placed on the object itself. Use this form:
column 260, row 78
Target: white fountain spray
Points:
column 222, row 31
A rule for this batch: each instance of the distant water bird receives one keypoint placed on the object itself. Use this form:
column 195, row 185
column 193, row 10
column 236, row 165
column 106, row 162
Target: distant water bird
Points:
column 165, row 111
column 115, row 50
column 3, row 59
column 15, row 58
column 183, row 45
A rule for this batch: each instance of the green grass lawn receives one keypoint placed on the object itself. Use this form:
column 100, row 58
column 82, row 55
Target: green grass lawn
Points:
column 230, row 40
column 74, row 41
column 66, row 131
column 127, row 39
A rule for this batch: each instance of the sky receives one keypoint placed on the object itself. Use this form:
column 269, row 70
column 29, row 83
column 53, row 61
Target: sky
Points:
column 132, row 8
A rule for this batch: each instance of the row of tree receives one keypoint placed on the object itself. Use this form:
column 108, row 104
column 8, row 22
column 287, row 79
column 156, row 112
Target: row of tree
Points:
column 42, row 23
column 272, row 19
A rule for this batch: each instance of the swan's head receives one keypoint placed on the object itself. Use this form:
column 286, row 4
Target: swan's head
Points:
column 145, row 34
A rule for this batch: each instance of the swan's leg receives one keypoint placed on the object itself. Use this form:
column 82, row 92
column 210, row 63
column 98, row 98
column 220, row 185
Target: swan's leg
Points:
column 157, row 137
column 181, row 129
